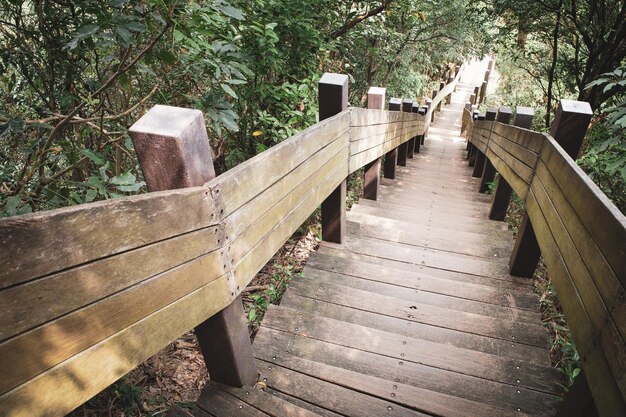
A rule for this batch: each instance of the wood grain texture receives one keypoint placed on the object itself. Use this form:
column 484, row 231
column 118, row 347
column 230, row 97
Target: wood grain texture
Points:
column 244, row 182
column 51, row 241
column 601, row 382
column 67, row 385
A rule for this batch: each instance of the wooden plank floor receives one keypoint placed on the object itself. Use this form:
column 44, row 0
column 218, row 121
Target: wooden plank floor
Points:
column 414, row 315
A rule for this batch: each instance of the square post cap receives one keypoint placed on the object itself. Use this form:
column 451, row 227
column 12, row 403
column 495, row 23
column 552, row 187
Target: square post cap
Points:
column 332, row 94
column 376, row 98
column 172, row 146
column 523, row 117
column 415, row 108
column 407, row 105
column 395, row 104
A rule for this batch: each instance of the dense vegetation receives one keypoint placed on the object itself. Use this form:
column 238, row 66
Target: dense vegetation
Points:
column 74, row 75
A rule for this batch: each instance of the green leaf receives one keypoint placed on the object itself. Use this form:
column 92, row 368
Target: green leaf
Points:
column 95, row 157
column 231, row 11
column 87, row 31
column 91, row 195
column 229, row 90
column 131, row 188
column 118, row 3
column 236, row 82
column 252, row 315
column 124, row 33
column 136, row 27
column 124, row 179
column 10, row 207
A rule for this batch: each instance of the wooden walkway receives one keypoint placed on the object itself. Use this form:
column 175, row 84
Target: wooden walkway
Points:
column 414, row 315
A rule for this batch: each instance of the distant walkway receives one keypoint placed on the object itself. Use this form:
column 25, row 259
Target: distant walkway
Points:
column 414, row 315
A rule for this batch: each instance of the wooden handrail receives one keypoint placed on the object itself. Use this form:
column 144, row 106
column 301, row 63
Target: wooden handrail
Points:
column 89, row 292
column 582, row 237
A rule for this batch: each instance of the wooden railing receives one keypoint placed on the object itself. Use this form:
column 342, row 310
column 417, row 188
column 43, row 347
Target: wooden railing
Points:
column 89, row 292
column 582, row 237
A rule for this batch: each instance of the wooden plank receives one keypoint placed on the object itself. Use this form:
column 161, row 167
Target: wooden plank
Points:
column 327, row 395
column 415, row 398
column 434, row 258
column 527, row 156
column 54, row 240
column 36, row 302
column 527, row 139
column 504, row 329
column 358, row 161
column 220, row 404
column 522, row 170
column 242, row 183
column 284, row 225
column 435, row 384
column 74, row 332
column 605, row 223
column 605, row 332
column 517, row 183
column 360, row 117
column 422, row 280
column 69, row 384
column 408, row 349
column 399, row 323
column 256, row 218
column 505, row 282
column 419, row 297
column 603, row 276
column 601, row 382
column 266, row 402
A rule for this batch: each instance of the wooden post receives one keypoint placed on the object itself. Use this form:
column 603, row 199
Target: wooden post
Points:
column 434, row 94
column 483, row 92
column 489, row 171
column 391, row 157
column 371, row 174
column 429, row 104
column 333, row 99
column 449, row 96
column 568, row 129
column 490, row 65
column 407, row 107
column 472, row 98
column 417, row 139
column 476, row 94
column 502, row 195
column 422, row 110
column 468, row 107
column 173, row 149
column 479, row 157
column 578, row 401
column 487, row 75
column 441, row 85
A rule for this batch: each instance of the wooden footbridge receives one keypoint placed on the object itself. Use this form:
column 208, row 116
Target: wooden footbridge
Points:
column 417, row 303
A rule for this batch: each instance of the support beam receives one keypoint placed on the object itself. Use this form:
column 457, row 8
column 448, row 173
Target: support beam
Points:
column 173, row 149
column 489, row 171
column 391, row 157
column 333, row 99
column 417, row 139
column 407, row 107
column 571, row 121
column 502, row 195
column 371, row 174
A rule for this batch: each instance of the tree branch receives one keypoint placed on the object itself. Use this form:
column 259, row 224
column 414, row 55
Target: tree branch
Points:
column 358, row 19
